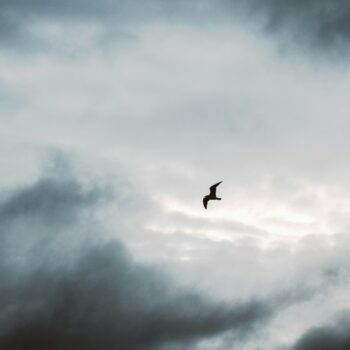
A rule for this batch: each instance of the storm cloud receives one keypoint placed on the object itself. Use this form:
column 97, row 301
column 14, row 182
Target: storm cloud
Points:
column 91, row 294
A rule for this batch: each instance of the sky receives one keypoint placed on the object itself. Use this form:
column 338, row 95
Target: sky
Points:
column 116, row 117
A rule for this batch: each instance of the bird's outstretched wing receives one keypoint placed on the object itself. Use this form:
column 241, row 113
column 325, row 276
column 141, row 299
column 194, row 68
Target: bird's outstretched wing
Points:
column 205, row 201
column 213, row 189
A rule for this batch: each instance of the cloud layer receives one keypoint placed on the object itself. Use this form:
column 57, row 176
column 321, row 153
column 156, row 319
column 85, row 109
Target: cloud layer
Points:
column 61, row 291
column 320, row 26
column 176, row 96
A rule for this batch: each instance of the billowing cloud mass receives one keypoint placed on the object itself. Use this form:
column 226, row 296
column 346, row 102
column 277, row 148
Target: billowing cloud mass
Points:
column 90, row 294
column 152, row 102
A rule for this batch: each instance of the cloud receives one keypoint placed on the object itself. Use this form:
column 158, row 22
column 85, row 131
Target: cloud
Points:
column 52, row 202
column 334, row 337
column 320, row 25
column 63, row 287
column 37, row 25
column 107, row 301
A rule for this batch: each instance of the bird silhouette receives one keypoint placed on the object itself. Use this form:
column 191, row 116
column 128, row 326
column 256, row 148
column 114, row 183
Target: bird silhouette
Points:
column 211, row 195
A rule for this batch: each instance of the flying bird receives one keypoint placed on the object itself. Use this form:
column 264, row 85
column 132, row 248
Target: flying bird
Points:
column 211, row 195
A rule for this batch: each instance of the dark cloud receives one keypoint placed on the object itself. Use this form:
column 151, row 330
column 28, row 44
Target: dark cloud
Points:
column 47, row 200
column 57, row 294
column 320, row 24
column 316, row 24
column 105, row 301
column 336, row 337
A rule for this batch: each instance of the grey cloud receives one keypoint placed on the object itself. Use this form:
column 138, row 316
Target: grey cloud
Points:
column 104, row 9
column 116, row 19
column 94, row 295
column 106, row 301
column 78, row 8
column 53, row 202
column 316, row 24
column 335, row 337
column 308, row 23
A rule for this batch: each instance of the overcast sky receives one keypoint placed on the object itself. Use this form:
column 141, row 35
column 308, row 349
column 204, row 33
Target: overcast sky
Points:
column 116, row 117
